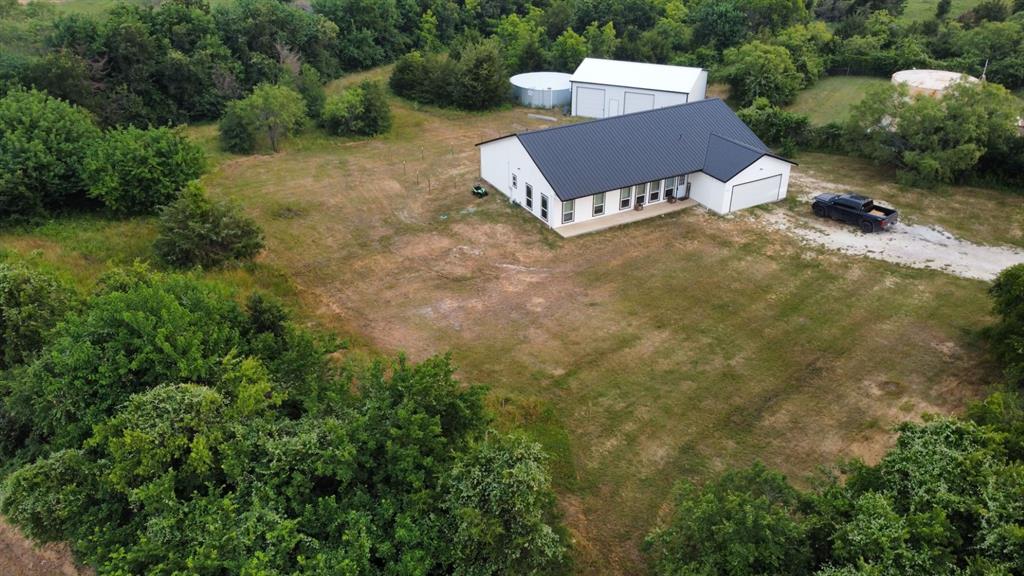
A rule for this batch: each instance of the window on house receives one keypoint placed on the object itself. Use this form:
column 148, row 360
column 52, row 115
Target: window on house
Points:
column 568, row 211
column 670, row 187
column 515, row 181
column 544, row 207
column 655, row 191
column 625, row 197
column 529, row 197
column 641, row 193
column 598, row 204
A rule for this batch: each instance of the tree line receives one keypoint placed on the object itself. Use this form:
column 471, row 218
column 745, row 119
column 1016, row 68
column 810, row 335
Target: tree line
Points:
column 162, row 425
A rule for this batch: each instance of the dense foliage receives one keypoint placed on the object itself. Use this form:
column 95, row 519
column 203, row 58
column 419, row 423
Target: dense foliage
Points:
column 31, row 304
column 197, row 231
column 937, row 139
column 361, row 110
column 133, row 171
column 165, row 429
column 261, row 120
column 475, row 80
column 43, row 144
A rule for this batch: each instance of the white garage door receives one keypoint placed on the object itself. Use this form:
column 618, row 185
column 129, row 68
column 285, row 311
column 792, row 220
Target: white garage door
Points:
column 590, row 102
column 756, row 192
column 637, row 102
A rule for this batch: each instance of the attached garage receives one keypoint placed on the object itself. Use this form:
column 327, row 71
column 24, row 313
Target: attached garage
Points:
column 590, row 102
column 757, row 192
column 638, row 102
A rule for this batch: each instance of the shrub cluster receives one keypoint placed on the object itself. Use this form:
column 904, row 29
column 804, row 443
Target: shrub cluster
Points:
column 197, row 231
column 363, row 110
column 263, row 119
column 167, row 429
column 53, row 155
column 474, row 80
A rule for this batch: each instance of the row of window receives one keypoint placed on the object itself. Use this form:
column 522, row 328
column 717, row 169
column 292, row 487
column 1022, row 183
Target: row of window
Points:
column 641, row 194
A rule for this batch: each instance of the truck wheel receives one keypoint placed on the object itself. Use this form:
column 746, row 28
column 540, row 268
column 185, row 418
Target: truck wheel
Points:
column 867, row 227
column 819, row 210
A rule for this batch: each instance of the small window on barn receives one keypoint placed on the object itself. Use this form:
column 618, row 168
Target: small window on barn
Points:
column 529, row 197
column 568, row 211
column 655, row 193
column 625, row 197
column 544, row 207
column 598, row 204
column 641, row 193
column 515, row 181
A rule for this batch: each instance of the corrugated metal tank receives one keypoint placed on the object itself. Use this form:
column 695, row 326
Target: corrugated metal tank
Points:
column 542, row 89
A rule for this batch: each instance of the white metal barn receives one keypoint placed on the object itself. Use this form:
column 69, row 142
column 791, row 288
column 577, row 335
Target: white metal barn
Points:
column 583, row 177
column 603, row 88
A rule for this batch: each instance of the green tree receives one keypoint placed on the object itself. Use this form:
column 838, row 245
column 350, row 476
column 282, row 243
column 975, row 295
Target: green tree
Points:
column 774, row 125
column 134, row 171
column 427, row 32
column 361, row 110
column 196, row 231
column 482, row 80
column 308, row 83
column 500, row 511
column 522, row 43
column 719, row 24
column 744, row 523
column 31, row 304
column 264, row 118
column 567, row 51
column 942, row 8
column 758, row 70
column 43, row 143
column 601, row 40
column 810, row 46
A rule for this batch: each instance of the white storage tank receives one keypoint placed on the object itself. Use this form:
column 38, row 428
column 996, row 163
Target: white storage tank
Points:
column 542, row 89
column 930, row 82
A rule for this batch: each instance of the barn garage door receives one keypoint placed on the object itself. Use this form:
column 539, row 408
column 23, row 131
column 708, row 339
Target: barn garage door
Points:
column 756, row 192
column 590, row 102
column 637, row 102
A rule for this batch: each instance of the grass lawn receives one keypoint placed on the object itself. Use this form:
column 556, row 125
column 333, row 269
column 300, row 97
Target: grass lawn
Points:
column 919, row 10
column 830, row 99
column 667, row 349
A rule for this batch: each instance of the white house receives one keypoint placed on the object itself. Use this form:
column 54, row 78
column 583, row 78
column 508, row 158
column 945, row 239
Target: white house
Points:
column 606, row 172
column 602, row 88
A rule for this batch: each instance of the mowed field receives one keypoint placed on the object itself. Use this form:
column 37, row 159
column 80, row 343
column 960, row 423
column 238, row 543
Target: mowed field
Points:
column 831, row 98
column 668, row 349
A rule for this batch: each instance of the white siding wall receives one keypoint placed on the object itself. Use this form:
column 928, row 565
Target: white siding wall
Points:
column 700, row 88
column 709, row 192
column 500, row 159
column 765, row 167
column 618, row 94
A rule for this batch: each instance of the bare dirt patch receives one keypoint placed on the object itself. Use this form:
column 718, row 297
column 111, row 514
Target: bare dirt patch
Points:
column 20, row 557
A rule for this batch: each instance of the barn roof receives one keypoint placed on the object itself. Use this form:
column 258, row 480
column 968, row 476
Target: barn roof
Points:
column 637, row 75
column 600, row 155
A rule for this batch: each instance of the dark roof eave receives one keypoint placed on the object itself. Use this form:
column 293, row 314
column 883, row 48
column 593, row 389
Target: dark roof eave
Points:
column 496, row 139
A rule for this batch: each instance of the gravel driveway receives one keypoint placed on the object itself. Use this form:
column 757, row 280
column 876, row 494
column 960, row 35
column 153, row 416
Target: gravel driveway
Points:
column 908, row 244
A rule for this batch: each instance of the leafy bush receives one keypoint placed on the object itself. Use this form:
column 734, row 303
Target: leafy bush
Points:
column 31, row 305
column 133, row 171
column 745, row 522
column 774, row 125
column 758, row 70
column 362, row 110
column 143, row 330
column 43, row 143
column 197, row 231
column 477, row 80
column 262, row 119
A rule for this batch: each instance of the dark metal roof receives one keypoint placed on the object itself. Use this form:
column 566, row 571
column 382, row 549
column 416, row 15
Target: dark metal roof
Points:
column 601, row 155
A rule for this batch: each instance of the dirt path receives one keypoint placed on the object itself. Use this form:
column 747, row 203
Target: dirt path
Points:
column 913, row 245
column 19, row 557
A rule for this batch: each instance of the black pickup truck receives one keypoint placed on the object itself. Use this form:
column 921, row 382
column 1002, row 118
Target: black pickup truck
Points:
column 855, row 209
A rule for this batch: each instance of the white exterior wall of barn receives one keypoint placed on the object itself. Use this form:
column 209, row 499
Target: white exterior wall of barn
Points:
column 501, row 159
column 615, row 99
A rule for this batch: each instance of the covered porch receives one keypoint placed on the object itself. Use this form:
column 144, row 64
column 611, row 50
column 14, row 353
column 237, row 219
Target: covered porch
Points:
column 623, row 217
